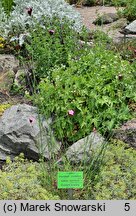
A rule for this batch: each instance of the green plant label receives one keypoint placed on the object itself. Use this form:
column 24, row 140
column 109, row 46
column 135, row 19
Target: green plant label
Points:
column 70, row 180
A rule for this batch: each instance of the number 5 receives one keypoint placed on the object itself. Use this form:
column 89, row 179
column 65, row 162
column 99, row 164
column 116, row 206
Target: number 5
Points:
column 127, row 207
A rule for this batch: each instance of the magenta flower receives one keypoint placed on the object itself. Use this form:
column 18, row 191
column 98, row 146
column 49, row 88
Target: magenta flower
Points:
column 71, row 112
column 51, row 31
column 29, row 11
column 31, row 119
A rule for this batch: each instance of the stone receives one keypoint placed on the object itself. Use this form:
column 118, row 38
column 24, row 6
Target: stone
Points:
column 127, row 133
column 120, row 23
column 8, row 62
column 22, row 130
column 8, row 66
column 131, row 28
column 105, row 18
column 81, row 151
column 6, row 80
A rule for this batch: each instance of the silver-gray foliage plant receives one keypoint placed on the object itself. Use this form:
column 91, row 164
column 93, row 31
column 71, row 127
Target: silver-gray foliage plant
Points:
column 19, row 19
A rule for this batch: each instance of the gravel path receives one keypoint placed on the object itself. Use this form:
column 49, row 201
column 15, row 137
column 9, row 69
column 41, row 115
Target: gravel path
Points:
column 89, row 14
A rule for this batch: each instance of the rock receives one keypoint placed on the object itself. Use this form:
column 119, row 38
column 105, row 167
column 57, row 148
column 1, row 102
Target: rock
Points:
column 6, row 80
column 127, row 133
column 8, row 66
column 8, row 62
column 106, row 19
column 3, row 97
column 81, row 151
column 120, row 23
column 20, row 132
column 131, row 28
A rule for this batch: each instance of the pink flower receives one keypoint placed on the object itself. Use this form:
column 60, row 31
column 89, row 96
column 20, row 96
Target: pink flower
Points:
column 29, row 11
column 31, row 119
column 71, row 112
column 51, row 31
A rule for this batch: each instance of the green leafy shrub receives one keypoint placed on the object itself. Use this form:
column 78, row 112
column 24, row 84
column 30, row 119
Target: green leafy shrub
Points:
column 7, row 5
column 92, row 92
column 117, row 177
column 52, row 46
column 129, row 11
column 101, row 37
column 20, row 180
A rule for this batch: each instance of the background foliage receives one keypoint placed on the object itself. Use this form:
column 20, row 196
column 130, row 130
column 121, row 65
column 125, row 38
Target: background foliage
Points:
column 7, row 5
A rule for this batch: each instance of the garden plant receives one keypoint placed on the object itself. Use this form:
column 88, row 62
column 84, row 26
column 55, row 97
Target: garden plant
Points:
column 82, row 86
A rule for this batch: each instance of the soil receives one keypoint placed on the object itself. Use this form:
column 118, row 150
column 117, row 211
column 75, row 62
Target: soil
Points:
column 89, row 14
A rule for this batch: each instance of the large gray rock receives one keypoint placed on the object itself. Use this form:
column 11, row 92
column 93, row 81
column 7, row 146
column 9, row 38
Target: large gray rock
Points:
column 131, row 28
column 20, row 131
column 127, row 133
column 81, row 151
